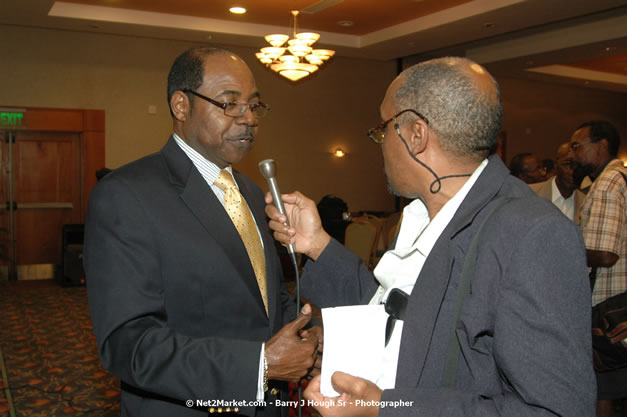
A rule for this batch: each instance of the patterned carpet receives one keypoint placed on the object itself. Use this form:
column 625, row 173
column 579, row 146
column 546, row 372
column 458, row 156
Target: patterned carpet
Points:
column 50, row 365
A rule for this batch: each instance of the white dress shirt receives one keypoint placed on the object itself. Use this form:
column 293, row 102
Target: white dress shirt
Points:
column 566, row 205
column 400, row 267
column 210, row 171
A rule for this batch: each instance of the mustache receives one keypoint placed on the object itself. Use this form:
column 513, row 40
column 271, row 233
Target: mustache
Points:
column 248, row 133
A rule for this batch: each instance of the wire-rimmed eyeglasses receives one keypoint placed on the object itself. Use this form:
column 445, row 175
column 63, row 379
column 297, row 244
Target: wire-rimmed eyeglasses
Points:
column 233, row 108
column 576, row 145
column 377, row 134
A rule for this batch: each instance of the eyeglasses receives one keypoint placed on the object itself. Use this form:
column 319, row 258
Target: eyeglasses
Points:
column 377, row 134
column 576, row 145
column 233, row 108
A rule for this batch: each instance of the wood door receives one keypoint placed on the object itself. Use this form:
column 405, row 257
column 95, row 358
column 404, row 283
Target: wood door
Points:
column 46, row 175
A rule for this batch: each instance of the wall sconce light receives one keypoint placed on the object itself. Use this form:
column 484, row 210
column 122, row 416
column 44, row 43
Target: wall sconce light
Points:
column 339, row 153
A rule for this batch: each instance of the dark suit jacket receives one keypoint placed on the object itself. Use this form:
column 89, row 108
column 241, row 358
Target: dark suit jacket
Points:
column 173, row 297
column 525, row 329
column 544, row 189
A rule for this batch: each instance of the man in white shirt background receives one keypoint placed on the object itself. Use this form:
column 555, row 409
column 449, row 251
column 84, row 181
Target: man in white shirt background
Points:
column 562, row 189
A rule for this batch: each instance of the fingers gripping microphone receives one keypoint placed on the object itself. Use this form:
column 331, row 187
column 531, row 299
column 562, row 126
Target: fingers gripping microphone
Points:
column 268, row 170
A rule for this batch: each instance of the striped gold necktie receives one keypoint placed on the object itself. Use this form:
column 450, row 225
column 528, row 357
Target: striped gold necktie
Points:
column 242, row 218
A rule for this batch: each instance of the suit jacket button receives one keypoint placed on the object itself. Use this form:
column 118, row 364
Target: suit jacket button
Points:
column 274, row 391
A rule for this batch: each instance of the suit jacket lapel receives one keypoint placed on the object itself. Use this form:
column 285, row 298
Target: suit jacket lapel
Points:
column 428, row 293
column 203, row 203
column 546, row 191
column 422, row 312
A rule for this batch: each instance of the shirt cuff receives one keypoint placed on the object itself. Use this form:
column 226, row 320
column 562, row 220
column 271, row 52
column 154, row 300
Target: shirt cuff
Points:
column 260, row 391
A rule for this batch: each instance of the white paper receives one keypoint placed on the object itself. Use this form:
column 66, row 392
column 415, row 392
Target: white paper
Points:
column 354, row 341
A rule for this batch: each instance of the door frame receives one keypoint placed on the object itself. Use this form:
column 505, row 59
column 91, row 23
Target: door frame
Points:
column 89, row 124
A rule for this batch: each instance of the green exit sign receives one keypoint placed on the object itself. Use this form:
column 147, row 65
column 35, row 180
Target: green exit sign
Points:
column 11, row 118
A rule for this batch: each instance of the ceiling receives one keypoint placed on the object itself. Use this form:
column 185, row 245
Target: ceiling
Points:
column 580, row 42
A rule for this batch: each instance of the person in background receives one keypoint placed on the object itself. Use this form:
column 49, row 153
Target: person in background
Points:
column 526, row 167
column 334, row 215
column 524, row 329
column 101, row 173
column 562, row 189
column 185, row 287
column 547, row 168
column 594, row 148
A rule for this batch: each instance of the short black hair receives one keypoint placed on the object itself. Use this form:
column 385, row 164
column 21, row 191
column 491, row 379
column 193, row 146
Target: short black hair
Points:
column 602, row 129
column 188, row 70
column 517, row 164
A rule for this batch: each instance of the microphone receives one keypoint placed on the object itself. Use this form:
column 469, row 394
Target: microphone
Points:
column 268, row 170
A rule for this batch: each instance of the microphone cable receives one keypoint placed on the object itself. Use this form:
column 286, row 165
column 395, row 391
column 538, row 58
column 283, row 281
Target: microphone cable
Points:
column 297, row 290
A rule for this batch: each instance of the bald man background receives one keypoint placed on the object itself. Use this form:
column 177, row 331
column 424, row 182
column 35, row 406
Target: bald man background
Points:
column 562, row 189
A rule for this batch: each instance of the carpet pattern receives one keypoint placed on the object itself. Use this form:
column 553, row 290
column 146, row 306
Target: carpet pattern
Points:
column 49, row 363
column 50, row 354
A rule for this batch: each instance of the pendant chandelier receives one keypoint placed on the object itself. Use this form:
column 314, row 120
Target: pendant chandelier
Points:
column 296, row 60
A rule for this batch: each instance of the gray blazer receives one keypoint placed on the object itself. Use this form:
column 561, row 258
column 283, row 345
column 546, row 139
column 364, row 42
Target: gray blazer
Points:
column 525, row 329
column 173, row 297
column 544, row 189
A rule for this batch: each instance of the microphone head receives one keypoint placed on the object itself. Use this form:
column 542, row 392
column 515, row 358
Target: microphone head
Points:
column 267, row 168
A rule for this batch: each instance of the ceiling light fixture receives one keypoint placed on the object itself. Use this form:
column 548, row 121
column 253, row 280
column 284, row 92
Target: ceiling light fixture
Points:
column 298, row 59
column 339, row 153
column 237, row 10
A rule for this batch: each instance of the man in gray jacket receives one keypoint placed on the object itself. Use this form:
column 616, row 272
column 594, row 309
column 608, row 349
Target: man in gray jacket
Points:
column 524, row 328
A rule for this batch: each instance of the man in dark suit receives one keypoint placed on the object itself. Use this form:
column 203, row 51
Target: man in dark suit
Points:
column 562, row 189
column 180, row 313
column 523, row 329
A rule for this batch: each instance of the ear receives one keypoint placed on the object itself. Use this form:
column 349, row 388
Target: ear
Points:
column 180, row 105
column 418, row 137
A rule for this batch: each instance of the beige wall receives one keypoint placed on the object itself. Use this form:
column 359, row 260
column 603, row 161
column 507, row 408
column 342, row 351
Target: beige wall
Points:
column 539, row 116
column 124, row 76
column 334, row 108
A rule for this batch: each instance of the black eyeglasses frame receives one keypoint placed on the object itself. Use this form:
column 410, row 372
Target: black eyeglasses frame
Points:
column 224, row 106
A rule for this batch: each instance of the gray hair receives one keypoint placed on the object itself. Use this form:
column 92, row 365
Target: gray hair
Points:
column 466, row 117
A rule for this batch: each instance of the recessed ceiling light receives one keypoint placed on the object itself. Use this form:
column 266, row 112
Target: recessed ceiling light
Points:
column 610, row 49
column 345, row 23
column 237, row 10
